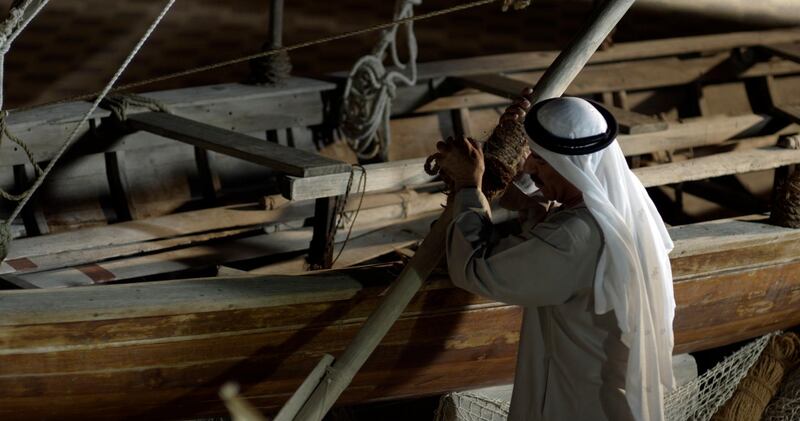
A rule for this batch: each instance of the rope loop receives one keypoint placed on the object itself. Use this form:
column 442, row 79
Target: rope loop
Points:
column 120, row 104
column 371, row 87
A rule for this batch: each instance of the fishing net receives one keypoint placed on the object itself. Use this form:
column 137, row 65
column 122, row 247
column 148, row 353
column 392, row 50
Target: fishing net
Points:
column 696, row 400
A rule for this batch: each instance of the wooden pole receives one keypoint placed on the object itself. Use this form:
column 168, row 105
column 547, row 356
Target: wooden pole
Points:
column 552, row 84
column 276, row 23
column 295, row 403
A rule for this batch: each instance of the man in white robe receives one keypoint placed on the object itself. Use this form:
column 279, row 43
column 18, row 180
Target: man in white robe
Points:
column 577, row 267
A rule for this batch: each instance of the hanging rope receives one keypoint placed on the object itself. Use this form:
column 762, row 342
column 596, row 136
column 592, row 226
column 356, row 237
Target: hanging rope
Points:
column 370, row 88
column 218, row 65
column 73, row 135
column 362, row 187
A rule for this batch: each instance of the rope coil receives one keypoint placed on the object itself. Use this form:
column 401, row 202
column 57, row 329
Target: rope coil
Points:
column 370, row 88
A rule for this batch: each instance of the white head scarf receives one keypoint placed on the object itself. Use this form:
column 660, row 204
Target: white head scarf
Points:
column 633, row 275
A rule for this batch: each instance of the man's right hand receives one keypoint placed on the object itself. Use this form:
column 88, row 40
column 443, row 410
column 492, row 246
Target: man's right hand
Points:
column 519, row 109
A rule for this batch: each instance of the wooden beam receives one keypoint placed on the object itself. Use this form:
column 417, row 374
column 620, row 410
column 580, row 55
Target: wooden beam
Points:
column 694, row 133
column 629, row 122
column 539, row 60
column 789, row 51
column 727, row 163
column 268, row 332
column 88, row 245
column 607, row 77
column 281, row 158
column 232, row 106
column 392, row 175
column 397, row 175
column 790, row 111
column 171, row 260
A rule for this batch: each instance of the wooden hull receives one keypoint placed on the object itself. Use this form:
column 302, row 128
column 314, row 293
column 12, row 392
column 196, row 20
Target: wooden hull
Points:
column 161, row 350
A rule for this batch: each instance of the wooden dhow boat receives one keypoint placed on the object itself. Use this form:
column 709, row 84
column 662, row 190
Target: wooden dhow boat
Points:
column 157, row 264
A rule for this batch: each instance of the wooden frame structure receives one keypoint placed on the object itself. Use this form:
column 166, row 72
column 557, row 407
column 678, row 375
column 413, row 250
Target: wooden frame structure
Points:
column 137, row 348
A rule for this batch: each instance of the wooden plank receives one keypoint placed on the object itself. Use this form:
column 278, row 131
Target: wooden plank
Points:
column 735, row 162
column 361, row 249
column 609, row 77
column 176, row 225
column 186, row 332
column 281, row 158
column 95, row 244
column 629, row 122
column 397, row 175
column 44, row 129
column 789, row 51
column 233, row 106
column 635, row 123
column 694, row 133
column 618, row 52
column 790, row 111
column 218, row 253
column 394, row 175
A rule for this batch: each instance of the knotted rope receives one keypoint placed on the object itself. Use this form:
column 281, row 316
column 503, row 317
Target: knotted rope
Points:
column 74, row 133
column 370, row 88
column 503, row 155
column 119, row 104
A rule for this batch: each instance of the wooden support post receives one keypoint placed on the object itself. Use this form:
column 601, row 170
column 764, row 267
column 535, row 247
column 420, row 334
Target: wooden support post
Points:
column 784, row 212
column 320, row 251
column 760, row 92
column 276, row 23
column 554, row 82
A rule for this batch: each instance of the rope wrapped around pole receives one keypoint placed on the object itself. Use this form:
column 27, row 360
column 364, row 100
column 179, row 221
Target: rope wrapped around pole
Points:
column 554, row 82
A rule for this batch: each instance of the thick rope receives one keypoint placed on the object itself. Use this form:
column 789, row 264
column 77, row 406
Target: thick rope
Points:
column 370, row 88
column 5, row 133
column 757, row 389
column 297, row 46
column 73, row 135
column 270, row 70
column 503, row 152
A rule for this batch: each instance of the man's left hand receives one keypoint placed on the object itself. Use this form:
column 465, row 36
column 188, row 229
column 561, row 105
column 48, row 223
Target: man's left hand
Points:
column 461, row 161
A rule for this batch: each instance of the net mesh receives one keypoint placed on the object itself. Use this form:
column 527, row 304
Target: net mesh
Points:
column 696, row 400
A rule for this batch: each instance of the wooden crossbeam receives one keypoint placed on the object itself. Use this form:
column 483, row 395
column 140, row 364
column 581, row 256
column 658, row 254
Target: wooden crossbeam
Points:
column 789, row 51
column 384, row 176
column 736, row 162
column 399, row 174
column 280, row 158
column 790, row 111
column 629, row 122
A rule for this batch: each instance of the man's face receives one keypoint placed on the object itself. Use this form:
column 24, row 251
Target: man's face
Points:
column 549, row 181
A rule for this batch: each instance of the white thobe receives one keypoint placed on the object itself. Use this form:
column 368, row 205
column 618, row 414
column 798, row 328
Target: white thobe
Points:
column 571, row 362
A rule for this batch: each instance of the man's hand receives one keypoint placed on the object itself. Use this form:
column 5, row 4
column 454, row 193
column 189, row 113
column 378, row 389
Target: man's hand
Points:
column 519, row 109
column 461, row 161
